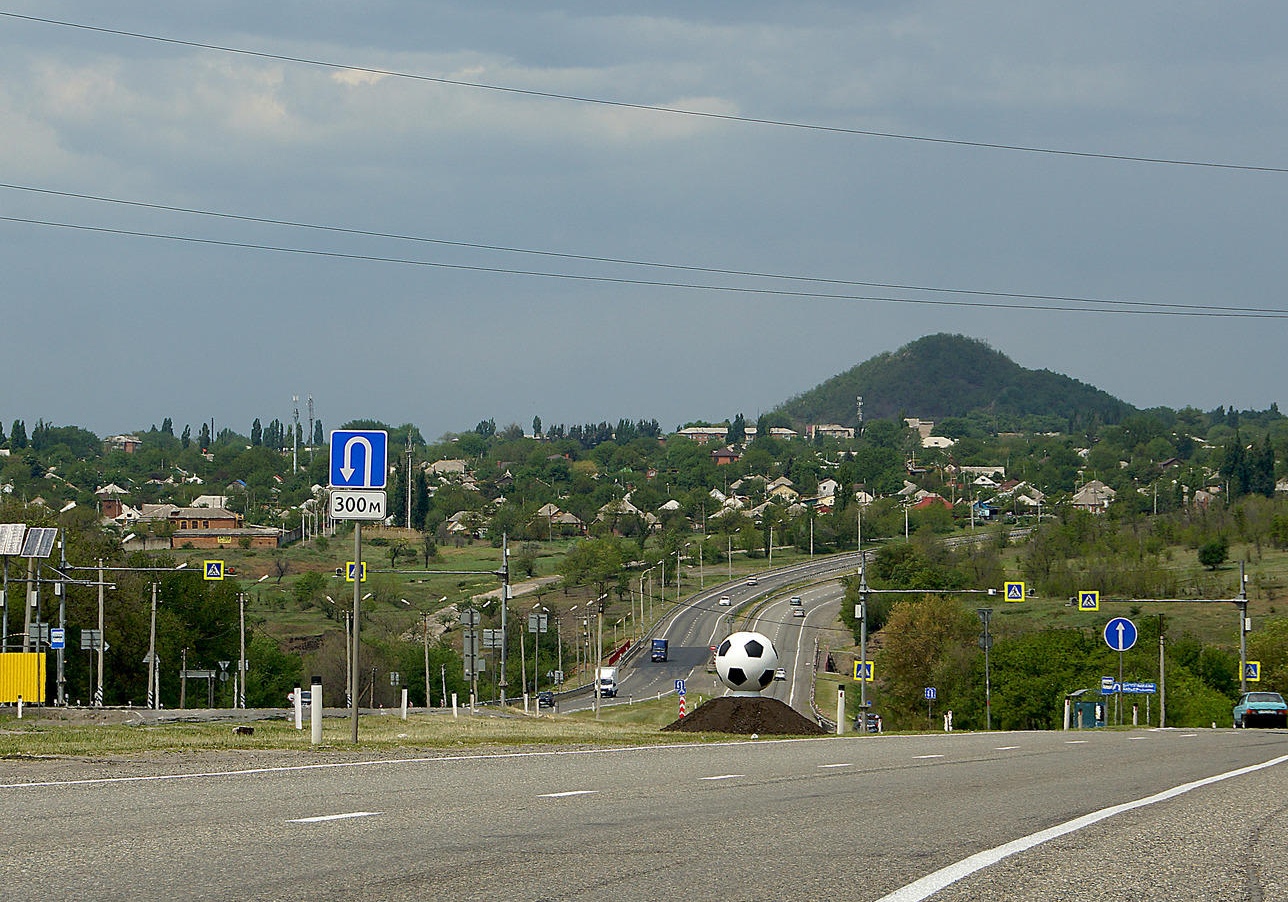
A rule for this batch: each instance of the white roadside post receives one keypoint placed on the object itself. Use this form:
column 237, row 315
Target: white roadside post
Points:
column 840, row 710
column 315, row 711
column 297, row 699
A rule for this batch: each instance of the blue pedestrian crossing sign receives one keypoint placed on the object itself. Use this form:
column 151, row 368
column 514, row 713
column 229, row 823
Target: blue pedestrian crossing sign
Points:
column 863, row 671
column 214, row 570
column 1088, row 601
column 1015, row 591
column 359, row 458
column 1252, row 671
column 351, row 569
column 1120, row 634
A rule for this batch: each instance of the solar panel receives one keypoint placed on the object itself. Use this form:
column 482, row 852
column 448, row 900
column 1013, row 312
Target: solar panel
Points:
column 11, row 537
column 39, row 541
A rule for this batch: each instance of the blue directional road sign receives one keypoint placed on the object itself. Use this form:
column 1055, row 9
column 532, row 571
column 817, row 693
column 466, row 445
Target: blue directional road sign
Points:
column 359, row 458
column 679, row 687
column 930, row 693
column 1120, row 634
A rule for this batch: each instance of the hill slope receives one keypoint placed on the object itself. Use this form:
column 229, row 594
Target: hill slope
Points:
column 945, row 375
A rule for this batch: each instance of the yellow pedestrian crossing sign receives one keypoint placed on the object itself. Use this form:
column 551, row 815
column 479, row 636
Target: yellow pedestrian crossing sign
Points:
column 863, row 671
column 351, row 568
column 1088, row 601
column 1252, row 671
column 1015, row 591
column 214, row 570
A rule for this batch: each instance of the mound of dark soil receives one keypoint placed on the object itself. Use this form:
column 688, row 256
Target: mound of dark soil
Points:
column 744, row 716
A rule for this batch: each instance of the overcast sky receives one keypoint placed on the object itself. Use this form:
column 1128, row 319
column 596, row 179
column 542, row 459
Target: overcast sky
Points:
column 115, row 332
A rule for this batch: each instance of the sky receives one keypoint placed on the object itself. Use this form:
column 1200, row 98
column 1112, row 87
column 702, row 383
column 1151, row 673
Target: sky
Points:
column 441, row 212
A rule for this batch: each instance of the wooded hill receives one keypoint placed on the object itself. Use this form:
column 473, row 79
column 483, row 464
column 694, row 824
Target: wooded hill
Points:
column 942, row 376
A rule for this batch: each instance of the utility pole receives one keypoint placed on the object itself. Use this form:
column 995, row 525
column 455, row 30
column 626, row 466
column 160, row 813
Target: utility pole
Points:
column 98, row 689
column 1243, row 629
column 986, row 640
column 357, row 622
column 424, row 621
column 153, row 702
column 505, row 597
column 241, row 663
column 599, row 655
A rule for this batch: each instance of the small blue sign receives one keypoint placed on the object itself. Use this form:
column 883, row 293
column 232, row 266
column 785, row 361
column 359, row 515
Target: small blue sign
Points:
column 1120, row 634
column 1015, row 591
column 679, row 687
column 57, row 637
column 359, row 458
column 930, row 693
column 1140, row 688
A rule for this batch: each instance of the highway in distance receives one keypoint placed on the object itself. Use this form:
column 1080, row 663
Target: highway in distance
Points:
column 856, row 817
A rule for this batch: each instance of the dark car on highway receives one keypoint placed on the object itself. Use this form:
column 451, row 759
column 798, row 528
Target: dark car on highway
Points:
column 545, row 699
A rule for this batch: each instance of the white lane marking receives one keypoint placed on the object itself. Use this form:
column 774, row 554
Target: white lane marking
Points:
column 332, row 817
column 825, row 766
column 564, row 795
column 944, row 877
column 924, row 757
column 392, row 762
column 1076, row 741
column 1006, row 748
column 723, row 777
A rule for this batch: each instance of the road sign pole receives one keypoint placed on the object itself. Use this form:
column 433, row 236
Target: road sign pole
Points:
column 357, row 619
column 1119, row 699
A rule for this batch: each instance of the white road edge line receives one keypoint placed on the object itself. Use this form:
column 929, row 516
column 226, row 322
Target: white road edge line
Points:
column 723, row 777
column 1006, row 748
column 923, row 757
column 825, row 766
column 332, row 817
column 571, row 792
column 944, row 877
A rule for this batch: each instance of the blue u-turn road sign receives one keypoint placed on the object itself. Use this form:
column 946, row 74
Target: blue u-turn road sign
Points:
column 1120, row 634
column 359, row 458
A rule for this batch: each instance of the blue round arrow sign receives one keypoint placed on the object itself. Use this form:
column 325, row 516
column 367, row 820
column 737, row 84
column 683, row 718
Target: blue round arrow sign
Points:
column 1120, row 634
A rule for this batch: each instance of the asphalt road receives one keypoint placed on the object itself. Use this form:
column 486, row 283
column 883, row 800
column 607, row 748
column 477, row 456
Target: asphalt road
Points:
column 832, row 818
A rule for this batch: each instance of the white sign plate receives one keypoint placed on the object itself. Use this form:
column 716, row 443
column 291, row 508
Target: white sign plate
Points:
column 355, row 504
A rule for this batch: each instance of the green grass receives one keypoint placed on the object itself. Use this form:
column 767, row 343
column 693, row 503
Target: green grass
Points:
column 28, row 738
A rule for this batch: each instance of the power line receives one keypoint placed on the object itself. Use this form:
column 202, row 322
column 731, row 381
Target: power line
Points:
column 710, row 270
column 623, row 104
column 1145, row 309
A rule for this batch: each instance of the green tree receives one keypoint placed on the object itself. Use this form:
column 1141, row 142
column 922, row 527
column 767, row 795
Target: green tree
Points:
column 598, row 562
column 1213, row 553
column 930, row 642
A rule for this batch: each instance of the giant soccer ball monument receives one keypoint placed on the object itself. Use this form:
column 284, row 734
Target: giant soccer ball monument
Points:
column 745, row 662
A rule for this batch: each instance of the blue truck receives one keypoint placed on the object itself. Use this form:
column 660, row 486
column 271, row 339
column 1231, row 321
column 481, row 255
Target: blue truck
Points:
column 659, row 650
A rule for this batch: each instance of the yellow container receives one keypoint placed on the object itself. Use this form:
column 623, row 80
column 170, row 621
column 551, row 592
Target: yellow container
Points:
column 22, row 674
